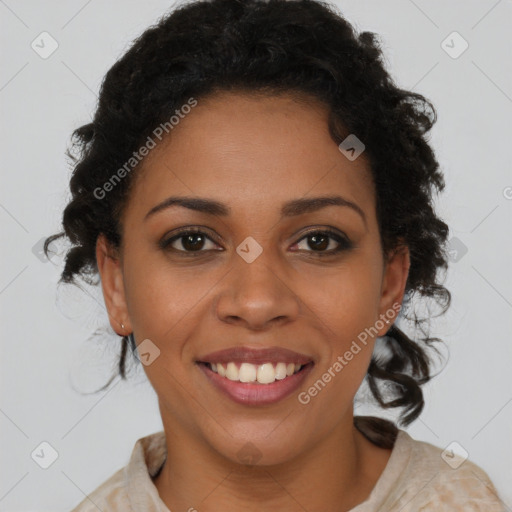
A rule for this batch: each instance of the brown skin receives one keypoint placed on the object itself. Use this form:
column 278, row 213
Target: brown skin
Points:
column 253, row 154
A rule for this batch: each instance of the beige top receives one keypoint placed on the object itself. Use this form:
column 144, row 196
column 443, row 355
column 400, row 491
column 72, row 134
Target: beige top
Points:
column 415, row 479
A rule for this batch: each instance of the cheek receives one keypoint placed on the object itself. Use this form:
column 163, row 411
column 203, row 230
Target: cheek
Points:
column 165, row 302
column 347, row 301
column 347, row 305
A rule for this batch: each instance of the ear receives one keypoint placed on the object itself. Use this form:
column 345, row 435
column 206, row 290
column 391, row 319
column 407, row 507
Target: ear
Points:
column 112, row 284
column 395, row 276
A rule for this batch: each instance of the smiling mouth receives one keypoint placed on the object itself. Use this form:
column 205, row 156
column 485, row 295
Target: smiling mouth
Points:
column 266, row 373
column 255, row 377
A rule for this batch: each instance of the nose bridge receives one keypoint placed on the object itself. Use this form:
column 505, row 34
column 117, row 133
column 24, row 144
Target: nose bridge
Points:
column 256, row 291
column 256, row 270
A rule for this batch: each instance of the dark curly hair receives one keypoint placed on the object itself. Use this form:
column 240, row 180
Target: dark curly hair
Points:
column 302, row 47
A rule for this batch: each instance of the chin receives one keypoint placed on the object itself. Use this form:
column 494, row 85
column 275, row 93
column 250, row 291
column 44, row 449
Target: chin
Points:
column 260, row 446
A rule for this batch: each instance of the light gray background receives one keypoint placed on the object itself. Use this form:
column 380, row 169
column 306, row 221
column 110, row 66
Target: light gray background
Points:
column 45, row 355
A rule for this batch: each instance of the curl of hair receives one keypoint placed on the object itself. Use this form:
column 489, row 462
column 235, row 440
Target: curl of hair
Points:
column 300, row 47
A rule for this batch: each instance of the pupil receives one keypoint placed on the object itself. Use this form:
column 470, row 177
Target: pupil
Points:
column 320, row 245
column 189, row 244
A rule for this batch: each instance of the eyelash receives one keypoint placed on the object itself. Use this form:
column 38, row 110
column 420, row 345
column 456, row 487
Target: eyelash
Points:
column 344, row 243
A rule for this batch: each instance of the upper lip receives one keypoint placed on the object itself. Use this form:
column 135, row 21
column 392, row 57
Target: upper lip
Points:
column 255, row 356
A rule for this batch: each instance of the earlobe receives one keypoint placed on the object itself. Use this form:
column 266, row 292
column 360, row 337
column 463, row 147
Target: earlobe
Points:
column 394, row 282
column 112, row 284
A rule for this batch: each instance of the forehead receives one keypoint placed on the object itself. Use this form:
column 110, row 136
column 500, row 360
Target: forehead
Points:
column 253, row 149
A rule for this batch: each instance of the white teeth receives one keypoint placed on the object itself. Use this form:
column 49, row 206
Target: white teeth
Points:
column 247, row 373
column 221, row 370
column 280, row 371
column 232, row 371
column 266, row 373
column 263, row 374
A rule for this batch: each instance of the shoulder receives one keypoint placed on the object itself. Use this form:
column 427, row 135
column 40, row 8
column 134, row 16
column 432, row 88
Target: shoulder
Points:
column 110, row 496
column 131, row 487
column 440, row 480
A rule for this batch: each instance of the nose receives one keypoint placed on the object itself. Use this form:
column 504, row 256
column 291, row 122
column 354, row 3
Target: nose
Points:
column 257, row 295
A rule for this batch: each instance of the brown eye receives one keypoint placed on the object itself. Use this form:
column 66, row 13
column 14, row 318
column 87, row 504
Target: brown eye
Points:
column 320, row 242
column 190, row 241
column 325, row 241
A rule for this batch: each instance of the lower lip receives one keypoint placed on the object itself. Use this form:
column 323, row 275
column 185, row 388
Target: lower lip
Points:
column 257, row 394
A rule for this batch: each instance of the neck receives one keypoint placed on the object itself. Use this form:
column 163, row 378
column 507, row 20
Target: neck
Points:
column 334, row 475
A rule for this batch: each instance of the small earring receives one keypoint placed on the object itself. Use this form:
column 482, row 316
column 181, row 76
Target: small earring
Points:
column 122, row 326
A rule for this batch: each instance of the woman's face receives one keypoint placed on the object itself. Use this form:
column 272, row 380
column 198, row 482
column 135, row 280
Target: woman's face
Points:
column 261, row 275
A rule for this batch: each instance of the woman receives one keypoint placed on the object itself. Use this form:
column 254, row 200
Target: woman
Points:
column 255, row 194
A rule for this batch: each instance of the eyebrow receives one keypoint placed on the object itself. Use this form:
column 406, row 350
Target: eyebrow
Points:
column 289, row 209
